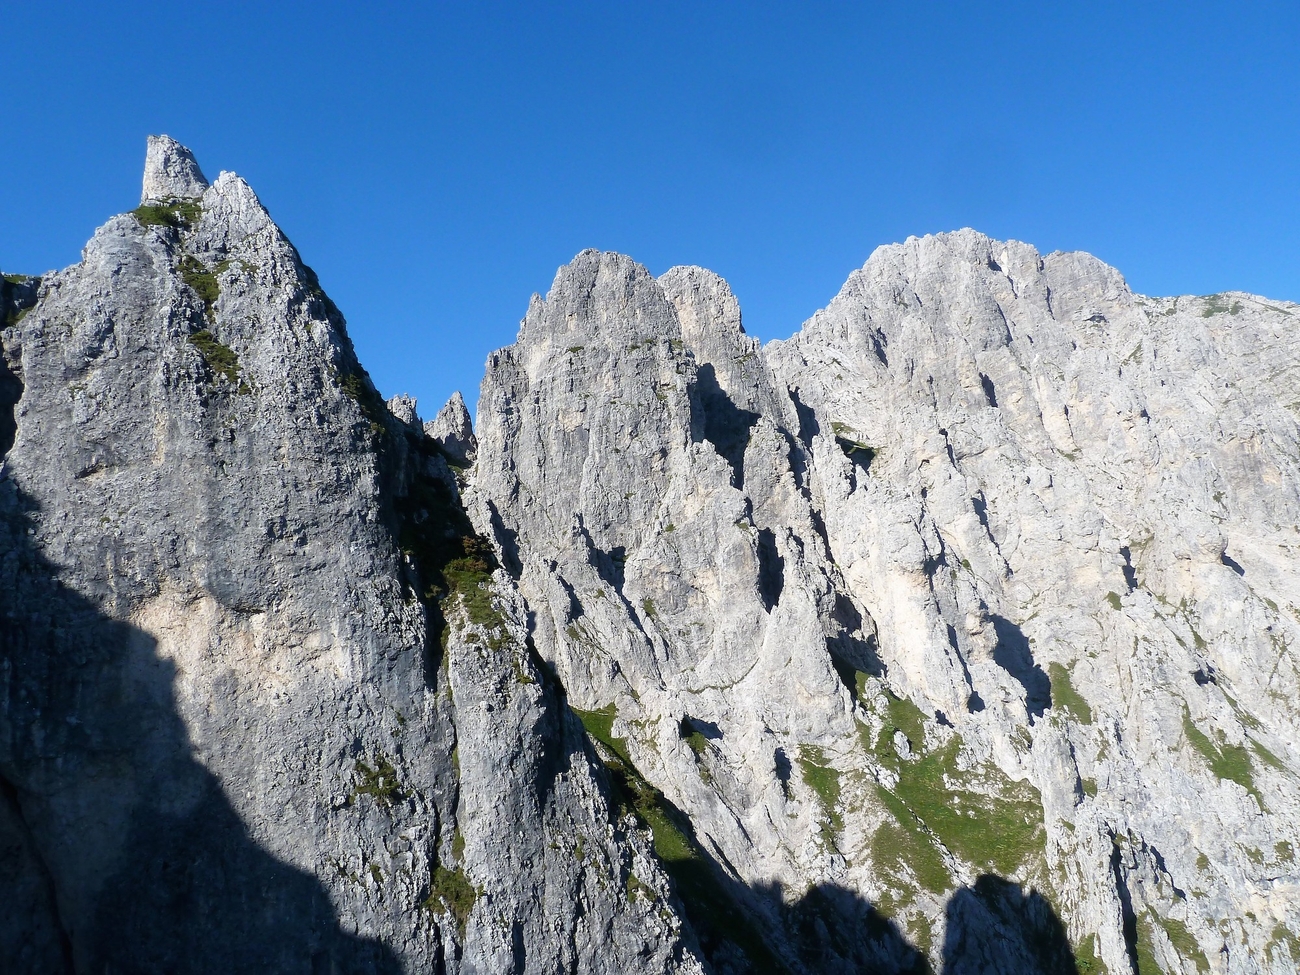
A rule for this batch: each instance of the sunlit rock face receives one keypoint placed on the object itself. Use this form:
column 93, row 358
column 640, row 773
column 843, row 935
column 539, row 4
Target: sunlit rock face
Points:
column 958, row 626
column 952, row 634
column 259, row 713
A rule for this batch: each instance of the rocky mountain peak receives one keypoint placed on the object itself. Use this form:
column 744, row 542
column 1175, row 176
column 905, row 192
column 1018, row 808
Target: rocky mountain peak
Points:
column 170, row 172
column 453, row 429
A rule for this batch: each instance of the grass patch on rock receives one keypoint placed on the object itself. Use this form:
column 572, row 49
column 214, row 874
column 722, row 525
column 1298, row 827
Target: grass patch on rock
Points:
column 377, row 780
column 1229, row 762
column 450, row 892
column 202, row 281
column 1065, row 696
column 220, row 358
column 824, row 780
column 695, row 878
column 981, row 816
column 177, row 214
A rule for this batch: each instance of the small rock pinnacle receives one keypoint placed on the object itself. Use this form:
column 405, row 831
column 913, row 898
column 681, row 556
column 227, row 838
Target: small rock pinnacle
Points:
column 170, row 172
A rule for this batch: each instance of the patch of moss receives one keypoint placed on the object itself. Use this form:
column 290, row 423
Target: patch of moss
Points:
column 824, row 780
column 1065, row 696
column 202, row 281
column 1089, row 788
column 220, row 358
column 177, row 214
column 1114, row 600
column 1218, row 305
column 635, row 888
column 379, row 781
column 1183, row 942
column 1229, row 762
column 695, row 880
column 1282, row 936
column 451, row 893
column 1085, row 957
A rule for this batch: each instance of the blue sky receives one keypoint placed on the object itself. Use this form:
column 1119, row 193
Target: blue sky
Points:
column 435, row 164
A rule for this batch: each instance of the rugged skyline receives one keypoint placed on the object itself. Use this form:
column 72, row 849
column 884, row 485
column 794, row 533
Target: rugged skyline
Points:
column 954, row 633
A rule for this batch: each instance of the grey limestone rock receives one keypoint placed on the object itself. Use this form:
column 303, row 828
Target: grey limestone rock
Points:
column 941, row 621
column 454, row 430
column 265, row 705
column 170, row 172
column 955, row 633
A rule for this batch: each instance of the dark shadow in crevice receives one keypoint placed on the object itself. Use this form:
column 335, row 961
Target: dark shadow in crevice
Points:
column 154, row 869
column 995, row 918
column 708, row 730
column 11, row 391
column 1012, row 653
column 1128, row 916
column 1130, row 575
column 507, row 540
column 990, row 393
column 610, row 566
column 726, row 425
column 1232, row 564
column 806, row 418
column 771, row 569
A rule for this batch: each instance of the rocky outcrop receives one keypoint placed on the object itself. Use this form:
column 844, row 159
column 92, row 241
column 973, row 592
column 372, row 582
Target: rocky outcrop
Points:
column 170, row 172
column 266, row 704
column 939, row 621
column 952, row 634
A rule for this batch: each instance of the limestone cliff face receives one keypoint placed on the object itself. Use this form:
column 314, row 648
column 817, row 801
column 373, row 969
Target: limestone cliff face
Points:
column 953, row 634
column 261, row 706
column 958, row 626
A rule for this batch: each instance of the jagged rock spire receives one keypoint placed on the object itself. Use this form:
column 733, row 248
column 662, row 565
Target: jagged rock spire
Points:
column 170, row 171
column 453, row 429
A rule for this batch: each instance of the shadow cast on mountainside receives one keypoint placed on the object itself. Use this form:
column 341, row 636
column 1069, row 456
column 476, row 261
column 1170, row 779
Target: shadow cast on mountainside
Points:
column 1012, row 653
column 725, row 425
column 123, row 849
column 992, row 926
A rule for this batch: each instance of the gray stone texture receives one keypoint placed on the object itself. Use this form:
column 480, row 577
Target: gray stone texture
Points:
column 238, row 729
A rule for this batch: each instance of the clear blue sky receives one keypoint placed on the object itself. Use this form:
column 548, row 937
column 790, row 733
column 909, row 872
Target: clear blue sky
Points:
column 436, row 165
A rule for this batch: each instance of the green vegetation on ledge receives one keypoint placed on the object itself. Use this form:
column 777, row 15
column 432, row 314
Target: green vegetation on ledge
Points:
column 379, row 781
column 824, row 780
column 1065, row 696
column 1229, row 762
column 451, row 893
column 695, row 878
column 202, row 281
column 220, row 358
column 177, row 214
column 979, row 815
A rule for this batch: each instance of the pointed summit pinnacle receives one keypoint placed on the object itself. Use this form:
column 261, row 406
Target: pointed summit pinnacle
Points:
column 170, row 172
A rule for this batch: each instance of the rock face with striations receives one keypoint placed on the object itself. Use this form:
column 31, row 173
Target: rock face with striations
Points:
column 958, row 627
column 262, row 708
column 953, row 634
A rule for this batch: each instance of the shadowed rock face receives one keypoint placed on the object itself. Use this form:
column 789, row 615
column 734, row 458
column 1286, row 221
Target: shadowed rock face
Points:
column 239, row 728
column 953, row 634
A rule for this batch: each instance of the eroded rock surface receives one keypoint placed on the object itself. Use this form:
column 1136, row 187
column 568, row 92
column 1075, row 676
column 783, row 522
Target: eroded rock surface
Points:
column 959, row 625
column 264, row 706
column 952, row 634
